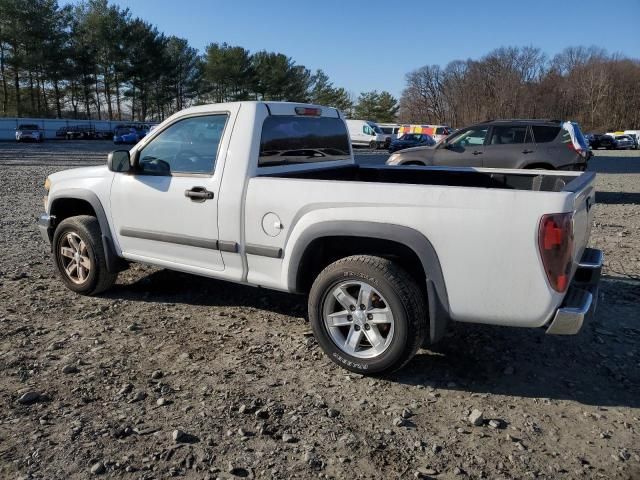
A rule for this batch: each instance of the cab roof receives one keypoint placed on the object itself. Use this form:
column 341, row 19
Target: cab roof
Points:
column 273, row 108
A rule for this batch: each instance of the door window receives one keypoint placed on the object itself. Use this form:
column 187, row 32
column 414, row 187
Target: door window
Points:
column 471, row 137
column 187, row 146
column 509, row 135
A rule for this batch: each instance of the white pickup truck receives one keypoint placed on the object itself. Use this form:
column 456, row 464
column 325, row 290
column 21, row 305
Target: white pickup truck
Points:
column 268, row 194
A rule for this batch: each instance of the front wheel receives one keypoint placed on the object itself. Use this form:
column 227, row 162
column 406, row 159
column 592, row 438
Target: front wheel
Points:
column 373, row 145
column 79, row 255
column 368, row 314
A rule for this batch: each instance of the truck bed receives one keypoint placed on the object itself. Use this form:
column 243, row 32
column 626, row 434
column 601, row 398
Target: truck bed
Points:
column 531, row 180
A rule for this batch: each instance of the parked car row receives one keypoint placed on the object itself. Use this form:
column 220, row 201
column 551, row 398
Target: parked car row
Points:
column 626, row 140
column 82, row 132
column 122, row 134
column 365, row 133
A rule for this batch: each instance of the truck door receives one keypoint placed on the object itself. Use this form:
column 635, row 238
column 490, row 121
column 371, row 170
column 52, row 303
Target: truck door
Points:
column 166, row 210
column 466, row 149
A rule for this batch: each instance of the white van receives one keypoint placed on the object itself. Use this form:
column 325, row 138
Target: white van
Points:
column 365, row 133
column 390, row 131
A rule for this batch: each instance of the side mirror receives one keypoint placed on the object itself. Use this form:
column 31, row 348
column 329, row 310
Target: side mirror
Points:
column 119, row 161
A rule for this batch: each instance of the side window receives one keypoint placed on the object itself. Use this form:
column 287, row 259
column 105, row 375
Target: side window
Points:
column 440, row 131
column 544, row 133
column 471, row 137
column 187, row 146
column 508, row 135
column 367, row 130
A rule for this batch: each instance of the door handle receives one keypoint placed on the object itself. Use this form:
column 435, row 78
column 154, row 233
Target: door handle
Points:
column 477, row 152
column 198, row 194
column 527, row 151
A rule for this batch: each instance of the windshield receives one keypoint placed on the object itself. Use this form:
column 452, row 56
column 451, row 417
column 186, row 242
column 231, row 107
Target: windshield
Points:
column 28, row 127
column 375, row 127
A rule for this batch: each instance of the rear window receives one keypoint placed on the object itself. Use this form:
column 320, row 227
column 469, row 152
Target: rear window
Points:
column 544, row 134
column 290, row 140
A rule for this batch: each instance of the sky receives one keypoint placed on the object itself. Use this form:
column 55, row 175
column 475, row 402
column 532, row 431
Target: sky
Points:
column 371, row 45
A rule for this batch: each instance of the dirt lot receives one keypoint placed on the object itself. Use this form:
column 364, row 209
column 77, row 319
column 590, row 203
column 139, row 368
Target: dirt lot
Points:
column 237, row 371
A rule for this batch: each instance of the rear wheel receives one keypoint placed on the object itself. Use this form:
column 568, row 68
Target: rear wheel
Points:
column 367, row 314
column 79, row 255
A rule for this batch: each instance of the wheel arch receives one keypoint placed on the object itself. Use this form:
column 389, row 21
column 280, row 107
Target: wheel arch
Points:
column 364, row 236
column 71, row 202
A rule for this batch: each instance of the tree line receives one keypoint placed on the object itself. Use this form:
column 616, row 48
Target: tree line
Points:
column 95, row 60
column 597, row 89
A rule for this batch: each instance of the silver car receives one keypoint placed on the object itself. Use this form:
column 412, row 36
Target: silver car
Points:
column 29, row 132
column 625, row 142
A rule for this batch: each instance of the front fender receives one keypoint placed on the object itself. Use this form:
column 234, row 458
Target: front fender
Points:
column 113, row 261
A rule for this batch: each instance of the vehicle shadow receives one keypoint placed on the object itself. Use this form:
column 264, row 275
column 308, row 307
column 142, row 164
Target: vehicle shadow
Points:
column 596, row 367
column 618, row 198
column 599, row 366
column 162, row 286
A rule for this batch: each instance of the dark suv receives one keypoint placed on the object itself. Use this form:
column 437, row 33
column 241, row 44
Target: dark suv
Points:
column 602, row 141
column 547, row 144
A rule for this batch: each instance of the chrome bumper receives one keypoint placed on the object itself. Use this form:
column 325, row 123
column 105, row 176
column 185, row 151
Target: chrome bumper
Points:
column 581, row 299
column 45, row 225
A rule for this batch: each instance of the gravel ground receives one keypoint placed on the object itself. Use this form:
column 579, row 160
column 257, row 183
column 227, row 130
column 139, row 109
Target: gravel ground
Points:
column 175, row 375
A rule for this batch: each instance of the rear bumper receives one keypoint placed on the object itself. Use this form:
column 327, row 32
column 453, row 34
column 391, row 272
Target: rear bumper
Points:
column 581, row 299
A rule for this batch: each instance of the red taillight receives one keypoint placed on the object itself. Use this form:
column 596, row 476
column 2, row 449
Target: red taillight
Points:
column 579, row 151
column 308, row 111
column 555, row 241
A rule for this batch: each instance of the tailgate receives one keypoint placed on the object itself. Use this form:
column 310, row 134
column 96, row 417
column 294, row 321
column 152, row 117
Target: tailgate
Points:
column 584, row 201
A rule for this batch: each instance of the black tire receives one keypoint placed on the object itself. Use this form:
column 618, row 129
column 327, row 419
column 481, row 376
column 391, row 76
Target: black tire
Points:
column 87, row 228
column 373, row 145
column 403, row 297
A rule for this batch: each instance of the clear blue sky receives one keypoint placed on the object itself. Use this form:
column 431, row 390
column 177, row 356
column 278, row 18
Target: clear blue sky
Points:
column 367, row 45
